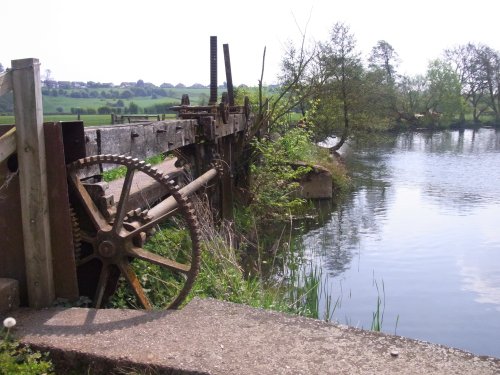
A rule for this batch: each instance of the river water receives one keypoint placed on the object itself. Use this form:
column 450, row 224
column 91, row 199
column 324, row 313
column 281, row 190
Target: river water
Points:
column 421, row 234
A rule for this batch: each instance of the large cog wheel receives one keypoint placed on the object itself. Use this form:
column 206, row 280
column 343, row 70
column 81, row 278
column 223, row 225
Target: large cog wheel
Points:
column 108, row 245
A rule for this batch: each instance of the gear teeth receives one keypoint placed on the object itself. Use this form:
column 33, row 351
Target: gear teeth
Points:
column 184, row 208
column 77, row 235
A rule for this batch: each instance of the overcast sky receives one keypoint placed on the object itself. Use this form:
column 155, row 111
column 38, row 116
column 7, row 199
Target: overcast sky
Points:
column 168, row 41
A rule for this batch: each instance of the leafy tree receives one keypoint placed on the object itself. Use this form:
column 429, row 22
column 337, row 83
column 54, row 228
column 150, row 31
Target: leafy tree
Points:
column 489, row 62
column 133, row 108
column 298, row 81
column 138, row 91
column 299, row 76
column 105, row 110
column 465, row 61
column 341, row 65
column 384, row 57
column 410, row 94
column 126, row 94
column 443, row 94
column 380, row 89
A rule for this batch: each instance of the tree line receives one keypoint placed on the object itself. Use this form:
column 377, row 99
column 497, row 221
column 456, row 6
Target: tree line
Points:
column 335, row 91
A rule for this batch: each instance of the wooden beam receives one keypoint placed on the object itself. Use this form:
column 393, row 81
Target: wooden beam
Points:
column 7, row 144
column 140, row 140
column 5, row 82
column 33, row 181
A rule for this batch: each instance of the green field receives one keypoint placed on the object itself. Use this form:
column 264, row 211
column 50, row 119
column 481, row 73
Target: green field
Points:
column 88, row 120
column 51, row 104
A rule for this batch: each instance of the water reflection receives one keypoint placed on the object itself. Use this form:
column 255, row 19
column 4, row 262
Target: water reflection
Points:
column 484, row 281
column 423, row 219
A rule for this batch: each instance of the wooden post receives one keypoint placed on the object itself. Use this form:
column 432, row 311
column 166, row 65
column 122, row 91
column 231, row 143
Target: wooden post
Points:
column 33, row 181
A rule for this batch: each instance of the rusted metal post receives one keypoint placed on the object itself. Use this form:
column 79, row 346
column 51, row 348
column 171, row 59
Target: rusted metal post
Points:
column 229, row 76
column 33, row 181
column 213, row 70
column 226, row 182
column 170, row 203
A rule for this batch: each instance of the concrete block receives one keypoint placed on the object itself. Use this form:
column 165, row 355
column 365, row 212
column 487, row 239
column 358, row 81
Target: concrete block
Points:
column 317, row 184
column 9, row 295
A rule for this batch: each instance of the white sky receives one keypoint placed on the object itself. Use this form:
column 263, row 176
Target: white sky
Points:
column 169, row 41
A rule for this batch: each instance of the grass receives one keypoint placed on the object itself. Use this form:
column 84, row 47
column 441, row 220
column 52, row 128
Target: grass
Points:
column 51, row 103
column 222, row 275
column 120, row 172
column 378, row 314
column 88, row 120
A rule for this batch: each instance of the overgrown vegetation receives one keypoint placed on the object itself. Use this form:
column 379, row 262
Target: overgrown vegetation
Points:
column 18, row 359
column 276, row 169
column 234, row 268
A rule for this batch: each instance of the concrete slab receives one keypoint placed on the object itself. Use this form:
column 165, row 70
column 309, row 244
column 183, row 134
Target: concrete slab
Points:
column 214, row 337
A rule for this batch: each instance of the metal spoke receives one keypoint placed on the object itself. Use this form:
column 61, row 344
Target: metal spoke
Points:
column 101, row 285
column 122, row 204
column 97, row 218
column 140, row 253
column 87, row 259
column 85, row 237
column 134, row 283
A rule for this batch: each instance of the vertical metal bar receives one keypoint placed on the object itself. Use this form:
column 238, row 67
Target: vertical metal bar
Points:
column 213, row 70
column 226, row 181
column 229, row 76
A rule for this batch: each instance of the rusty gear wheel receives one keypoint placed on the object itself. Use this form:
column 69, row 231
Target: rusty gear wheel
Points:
column 110, row 244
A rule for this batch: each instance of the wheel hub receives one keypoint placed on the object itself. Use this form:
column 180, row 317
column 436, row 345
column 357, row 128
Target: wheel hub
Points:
column 107, row 249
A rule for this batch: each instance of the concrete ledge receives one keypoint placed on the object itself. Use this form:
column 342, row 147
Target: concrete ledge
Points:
column 316, row 184
column 214, row 337
column 9, row 295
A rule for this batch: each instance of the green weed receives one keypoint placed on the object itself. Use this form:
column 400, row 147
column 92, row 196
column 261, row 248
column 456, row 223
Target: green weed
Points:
column 18, row 359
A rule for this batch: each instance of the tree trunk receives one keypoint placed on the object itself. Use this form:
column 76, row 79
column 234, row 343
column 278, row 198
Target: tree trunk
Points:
column 345, row 133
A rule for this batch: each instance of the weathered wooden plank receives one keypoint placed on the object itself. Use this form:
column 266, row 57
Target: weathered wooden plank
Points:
column 145, row 140
column 62, row 249
column 33, row 181
column 5, row 82
column 222, row 130
column 91, row 141
column 11, row 248
column 140, row 140
column 7, row 144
